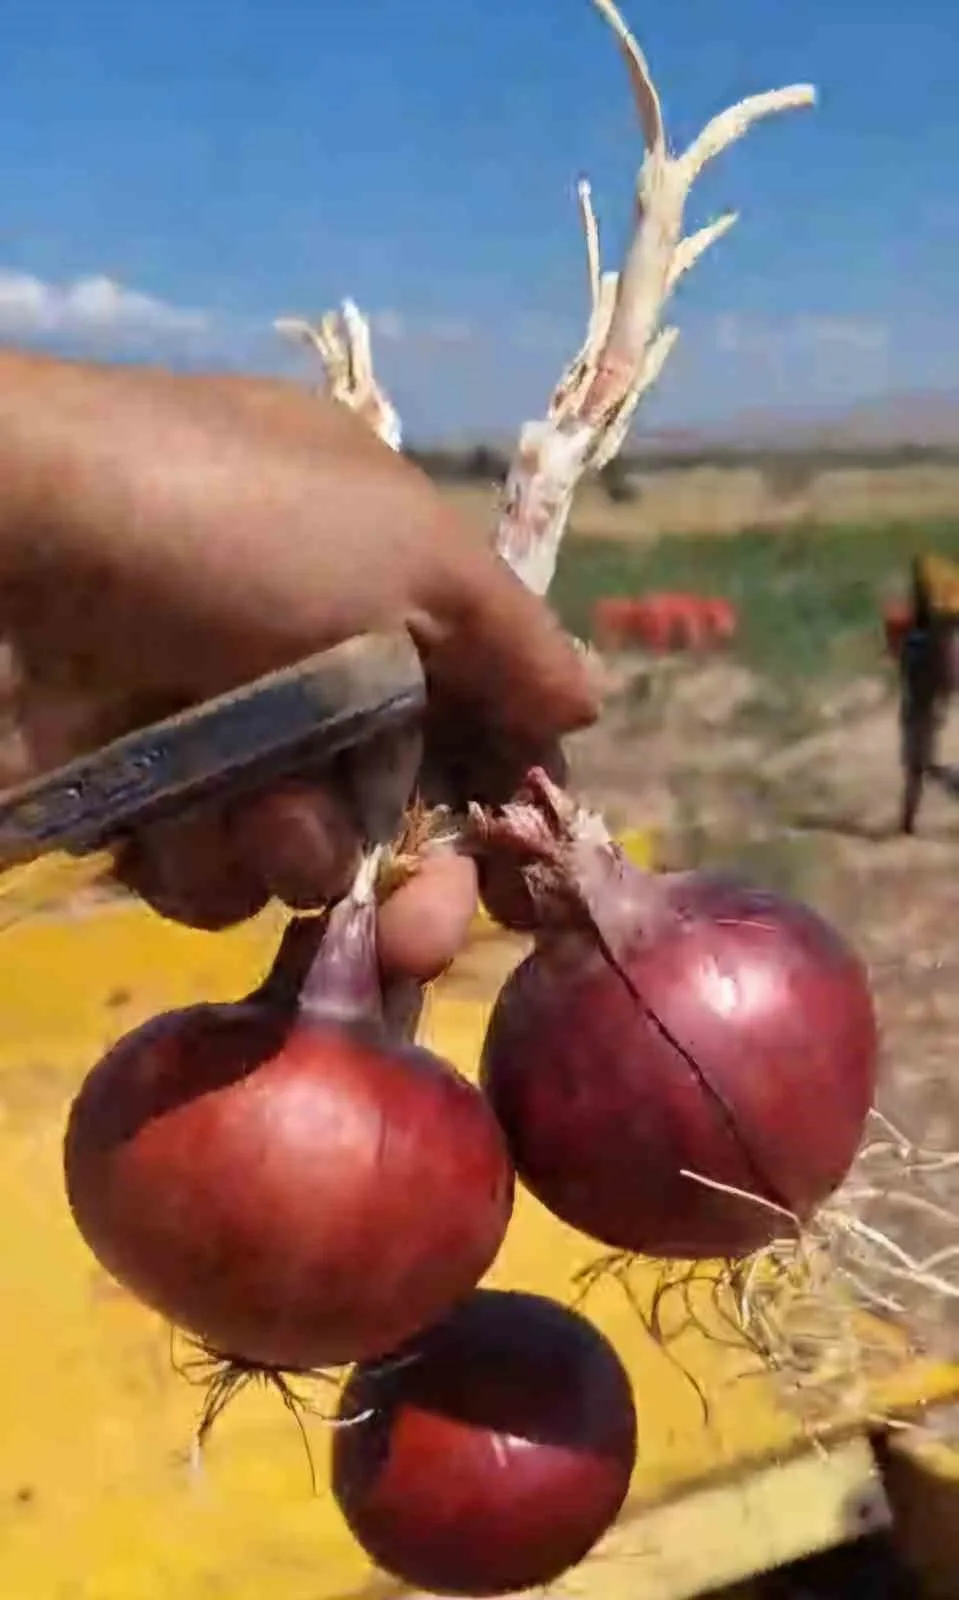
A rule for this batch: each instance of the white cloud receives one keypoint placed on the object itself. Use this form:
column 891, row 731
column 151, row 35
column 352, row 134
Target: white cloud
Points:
column 96, row 305
column 395, row 327
column 757, row 336
column 390, row 326
column 551, row 335
column 849, row 333
column 805, row 359
column 101, row 310
column 449, row 331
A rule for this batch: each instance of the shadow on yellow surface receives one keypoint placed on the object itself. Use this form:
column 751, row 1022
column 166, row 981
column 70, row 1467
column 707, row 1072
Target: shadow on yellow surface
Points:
column 922, row 1482
column 97, row 1500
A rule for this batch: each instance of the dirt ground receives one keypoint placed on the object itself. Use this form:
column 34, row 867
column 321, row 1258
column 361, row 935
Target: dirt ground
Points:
column 803, row 795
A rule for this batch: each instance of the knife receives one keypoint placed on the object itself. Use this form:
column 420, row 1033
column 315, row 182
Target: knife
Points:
column 65, row 828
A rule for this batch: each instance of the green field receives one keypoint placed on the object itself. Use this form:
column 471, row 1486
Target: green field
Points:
column 808, row 598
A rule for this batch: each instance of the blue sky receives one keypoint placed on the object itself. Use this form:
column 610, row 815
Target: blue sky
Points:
column 174, row 175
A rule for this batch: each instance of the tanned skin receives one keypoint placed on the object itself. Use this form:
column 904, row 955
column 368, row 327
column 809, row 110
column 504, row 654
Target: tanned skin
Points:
column 164, row 538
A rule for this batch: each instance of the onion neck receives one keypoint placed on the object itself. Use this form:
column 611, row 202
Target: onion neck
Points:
column 621, row 901
column 342, row 983
column 578, row 879
column 326, row 968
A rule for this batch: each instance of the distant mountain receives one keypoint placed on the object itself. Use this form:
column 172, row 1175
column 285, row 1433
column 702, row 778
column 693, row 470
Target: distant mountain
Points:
column 928, row 420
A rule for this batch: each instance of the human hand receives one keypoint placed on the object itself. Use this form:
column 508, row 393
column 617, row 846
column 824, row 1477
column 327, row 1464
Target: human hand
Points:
column 165, row 538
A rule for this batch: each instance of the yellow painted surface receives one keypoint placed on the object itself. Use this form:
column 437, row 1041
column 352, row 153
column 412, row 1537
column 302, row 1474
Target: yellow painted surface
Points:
column 727, row 1530
column 97, row 1501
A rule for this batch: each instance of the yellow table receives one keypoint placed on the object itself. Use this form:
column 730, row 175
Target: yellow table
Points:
column 97, row 1501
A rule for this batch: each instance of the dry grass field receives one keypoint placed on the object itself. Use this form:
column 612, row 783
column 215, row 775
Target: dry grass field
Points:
column 729, row 498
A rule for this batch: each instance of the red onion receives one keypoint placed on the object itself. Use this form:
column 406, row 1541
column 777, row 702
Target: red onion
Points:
column 664, row 1030
column 283, row 1178
column 499, row 1448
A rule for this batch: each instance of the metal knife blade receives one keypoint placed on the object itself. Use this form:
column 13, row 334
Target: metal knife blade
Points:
column 290, row 723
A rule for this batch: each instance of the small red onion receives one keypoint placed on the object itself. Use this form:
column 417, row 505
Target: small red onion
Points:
column 498, row 1448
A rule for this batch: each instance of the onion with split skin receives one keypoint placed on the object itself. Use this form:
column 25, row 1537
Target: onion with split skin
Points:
column 285, row 1179
column 667, row 1029
column 493, row 1452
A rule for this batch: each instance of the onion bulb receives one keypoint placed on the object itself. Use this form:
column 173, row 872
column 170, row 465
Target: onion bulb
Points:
column 492, row 1453
column 670, row 1039
column 283, row 1178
